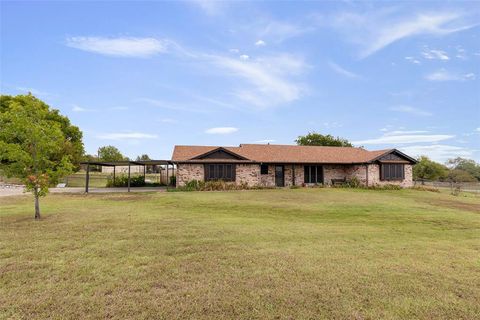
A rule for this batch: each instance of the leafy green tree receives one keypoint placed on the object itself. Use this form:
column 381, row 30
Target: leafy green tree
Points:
column 110, row 153
column 429, row 170
column 467, row 165
column 143, row 157
column 71, row 145
column 457, row 175
column 317, row 139
column 33, row 145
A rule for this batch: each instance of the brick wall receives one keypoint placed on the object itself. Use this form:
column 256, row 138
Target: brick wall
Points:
column 248, row 173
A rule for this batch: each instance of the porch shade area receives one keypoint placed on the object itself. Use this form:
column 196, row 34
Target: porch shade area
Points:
column 169, row 165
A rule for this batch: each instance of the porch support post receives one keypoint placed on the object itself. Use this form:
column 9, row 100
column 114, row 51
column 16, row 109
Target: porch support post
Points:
column 87, row 178
column 144, row 172
column 366, row 174
column 293, row 174
column 167, row 182
column 114, row 167
column 129, row 177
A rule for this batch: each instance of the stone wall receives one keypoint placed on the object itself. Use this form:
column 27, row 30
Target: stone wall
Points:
column 189, row 171
column 248, row 174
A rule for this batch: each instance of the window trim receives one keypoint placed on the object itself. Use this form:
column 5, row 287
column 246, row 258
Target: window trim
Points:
column 313, row 175
column 386, row 172
column 212, row 172
column 262, row 167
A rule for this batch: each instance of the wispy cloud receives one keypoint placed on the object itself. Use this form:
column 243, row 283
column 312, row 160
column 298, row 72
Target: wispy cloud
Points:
column 210, row 7
column 438, row 152
column 432, row 54
column 120, row 46
column 375, row 30
column 405, row 139
column 342, row 71
column 260, row 43
column 403, row 132
column 411, row 110
column 265, row 141
column 77, row 108
column 221, row 130
column 412, row 60
column 444, row 75
column 279, row 31
column 268, row 78
column 127, row 136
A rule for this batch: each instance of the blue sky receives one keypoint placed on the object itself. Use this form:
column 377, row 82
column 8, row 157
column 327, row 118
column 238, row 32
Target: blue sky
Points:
column 144, row 76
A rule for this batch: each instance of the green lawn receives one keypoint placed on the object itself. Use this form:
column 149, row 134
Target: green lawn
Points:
column 267, row 254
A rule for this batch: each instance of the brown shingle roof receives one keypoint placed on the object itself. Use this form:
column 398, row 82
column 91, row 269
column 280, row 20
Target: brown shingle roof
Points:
column 285, row 153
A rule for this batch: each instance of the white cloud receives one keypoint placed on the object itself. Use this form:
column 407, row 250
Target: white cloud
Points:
column 405, row 139
column 210, row 7
column 375, row 30
column 438, row 152
column 244, row 57
column 268, row 78
column 234, row 50
column 432, row 54
column 260, row 43
column 403, row 132
column 127, row 136
column 121, row 46
column 77, row 108
column 461, row 53
column 411, row 110
column 340, row 70
column 168, row 120
column 478, row 129
column 412, row 60
column 279, row 31
column 265, row 141
column 221, row 130
column 444, row 75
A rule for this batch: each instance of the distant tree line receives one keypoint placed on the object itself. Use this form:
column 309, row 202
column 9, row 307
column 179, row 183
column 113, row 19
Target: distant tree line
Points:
column 455, row 170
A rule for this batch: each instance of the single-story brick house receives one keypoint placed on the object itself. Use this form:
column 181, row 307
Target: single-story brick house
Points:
column 286, row 165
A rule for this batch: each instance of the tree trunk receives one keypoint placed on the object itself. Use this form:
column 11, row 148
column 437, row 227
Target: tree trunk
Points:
column 37, row 206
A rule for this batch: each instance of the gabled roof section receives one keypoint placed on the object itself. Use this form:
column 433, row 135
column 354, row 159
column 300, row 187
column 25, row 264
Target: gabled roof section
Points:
column 394, row 152
column 271, row 153
column 221, row 152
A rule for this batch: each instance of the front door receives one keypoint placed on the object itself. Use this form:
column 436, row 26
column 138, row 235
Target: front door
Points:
column 279, row 176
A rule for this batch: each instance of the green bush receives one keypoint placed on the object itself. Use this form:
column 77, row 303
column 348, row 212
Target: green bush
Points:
column 122, row 181
column 352, row 183
column 173, row 180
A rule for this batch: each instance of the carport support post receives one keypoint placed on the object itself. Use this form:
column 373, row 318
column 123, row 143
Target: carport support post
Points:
column 144, row 171
column 167, row 182
column 129, row 177
column 114, row 167
column 87, row 178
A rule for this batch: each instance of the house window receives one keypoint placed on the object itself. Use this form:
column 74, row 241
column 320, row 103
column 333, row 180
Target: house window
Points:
column 225, row 172
column 264, row 169
column 313, row 174
column 392, row 171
